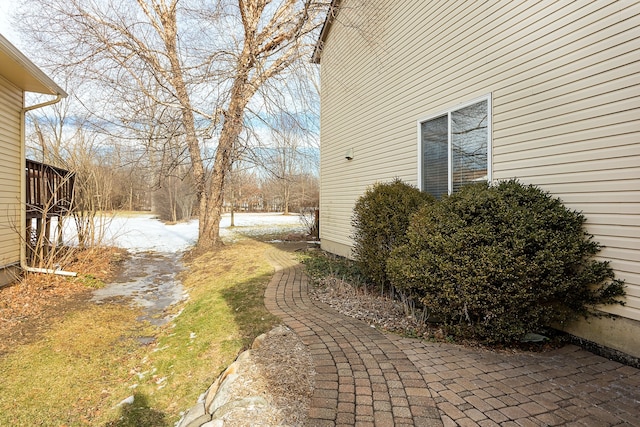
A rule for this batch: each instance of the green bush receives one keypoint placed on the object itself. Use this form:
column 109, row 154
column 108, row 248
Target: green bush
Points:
column 494, row 263
column 380, row 220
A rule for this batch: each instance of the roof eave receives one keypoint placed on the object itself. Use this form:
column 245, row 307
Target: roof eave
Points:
column 326, row 27
column 19, row 70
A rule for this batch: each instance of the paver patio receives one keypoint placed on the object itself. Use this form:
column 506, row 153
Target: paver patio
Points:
column 367, row 378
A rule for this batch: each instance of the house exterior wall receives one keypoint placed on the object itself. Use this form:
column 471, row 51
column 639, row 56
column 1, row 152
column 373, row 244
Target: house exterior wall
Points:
column 564, row 83
column 11, row 169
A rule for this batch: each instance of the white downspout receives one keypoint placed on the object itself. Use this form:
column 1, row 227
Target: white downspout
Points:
column 57, row 99
column 49, row 271
column 23, row 194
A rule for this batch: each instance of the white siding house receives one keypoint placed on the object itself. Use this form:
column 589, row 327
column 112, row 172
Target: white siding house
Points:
column 17, row 76
column 559, row 83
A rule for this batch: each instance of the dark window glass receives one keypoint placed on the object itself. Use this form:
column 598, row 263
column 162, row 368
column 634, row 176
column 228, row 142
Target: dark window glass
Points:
column 462, row 137
column 469, row 145
column 435, row 156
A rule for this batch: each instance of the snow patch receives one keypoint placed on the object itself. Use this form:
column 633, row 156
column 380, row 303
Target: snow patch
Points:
column 144, row 232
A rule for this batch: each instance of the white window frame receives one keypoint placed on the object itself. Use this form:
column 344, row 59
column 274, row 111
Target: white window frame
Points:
column 448, row 112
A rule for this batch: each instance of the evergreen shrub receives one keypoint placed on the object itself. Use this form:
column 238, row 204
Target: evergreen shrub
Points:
column 380, row 220
column 496, row 262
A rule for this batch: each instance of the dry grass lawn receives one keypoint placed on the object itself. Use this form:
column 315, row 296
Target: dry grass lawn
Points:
column 85, row 359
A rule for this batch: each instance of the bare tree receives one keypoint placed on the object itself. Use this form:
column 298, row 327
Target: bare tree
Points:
column 62, row 141
column 152, row 51
column 175, row 199
column 283, row 156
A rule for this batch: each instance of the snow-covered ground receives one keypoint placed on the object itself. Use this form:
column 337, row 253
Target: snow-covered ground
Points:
column 142, row 232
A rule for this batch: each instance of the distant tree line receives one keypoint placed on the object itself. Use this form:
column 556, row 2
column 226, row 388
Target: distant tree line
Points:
column 112, row 178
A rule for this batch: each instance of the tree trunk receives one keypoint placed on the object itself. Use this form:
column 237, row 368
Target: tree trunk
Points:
column 240, row 95
column 233, row 205
column 287, row 195
column 169, row 34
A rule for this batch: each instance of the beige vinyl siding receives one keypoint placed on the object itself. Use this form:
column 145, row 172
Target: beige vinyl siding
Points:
column 564, row 80
column 10, row 170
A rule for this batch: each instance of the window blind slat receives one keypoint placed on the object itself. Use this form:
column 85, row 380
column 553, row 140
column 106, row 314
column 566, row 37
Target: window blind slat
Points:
column 434, row 158
column 469, row 148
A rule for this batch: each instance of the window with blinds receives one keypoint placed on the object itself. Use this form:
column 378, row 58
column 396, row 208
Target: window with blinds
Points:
column 455, row 149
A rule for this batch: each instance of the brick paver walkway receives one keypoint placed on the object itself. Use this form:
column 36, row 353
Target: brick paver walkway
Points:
column 362, row 378
column 367, row 378
column 568, row 386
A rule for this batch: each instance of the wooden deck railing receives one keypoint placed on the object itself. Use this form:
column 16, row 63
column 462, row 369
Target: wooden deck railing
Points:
column 49, row 195
column 49, row 190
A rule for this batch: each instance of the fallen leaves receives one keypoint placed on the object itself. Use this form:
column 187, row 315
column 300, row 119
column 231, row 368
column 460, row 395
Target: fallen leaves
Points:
column 29, row 304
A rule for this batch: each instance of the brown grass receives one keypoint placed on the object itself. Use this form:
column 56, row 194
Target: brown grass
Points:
column 27, row 305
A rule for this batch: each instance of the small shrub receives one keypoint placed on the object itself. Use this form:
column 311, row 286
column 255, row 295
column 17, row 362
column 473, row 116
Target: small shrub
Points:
column 494, row 263
column 380, row 220
column 310, row 221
